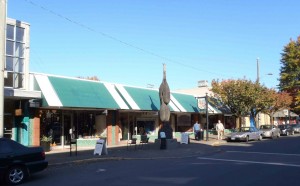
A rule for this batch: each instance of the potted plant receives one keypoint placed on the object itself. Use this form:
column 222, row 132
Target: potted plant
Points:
column 45, row 143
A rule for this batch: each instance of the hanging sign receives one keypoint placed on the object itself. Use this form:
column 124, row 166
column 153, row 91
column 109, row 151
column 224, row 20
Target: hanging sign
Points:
column 201, row 103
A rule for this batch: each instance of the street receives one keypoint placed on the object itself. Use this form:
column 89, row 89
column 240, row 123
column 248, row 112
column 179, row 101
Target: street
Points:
column 267, row 162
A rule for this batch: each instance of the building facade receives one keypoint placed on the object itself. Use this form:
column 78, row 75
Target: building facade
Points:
column 19, row 121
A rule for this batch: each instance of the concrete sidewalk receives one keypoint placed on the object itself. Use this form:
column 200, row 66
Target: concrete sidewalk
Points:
column 58, row 156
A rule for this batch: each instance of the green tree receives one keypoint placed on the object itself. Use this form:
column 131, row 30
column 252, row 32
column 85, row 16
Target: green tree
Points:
column 243, row 97
column 290, row 72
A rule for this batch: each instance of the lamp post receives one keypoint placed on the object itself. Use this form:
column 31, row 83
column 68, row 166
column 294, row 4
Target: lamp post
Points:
column 257, row 80
column 200, row 106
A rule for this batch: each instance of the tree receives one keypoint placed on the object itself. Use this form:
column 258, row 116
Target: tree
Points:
column 243, row 97
column 290, row 72
column 94, row 78
column 282, row 100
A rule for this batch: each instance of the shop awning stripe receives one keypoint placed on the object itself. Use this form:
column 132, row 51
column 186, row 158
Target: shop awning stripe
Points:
column 116, row 96
column 177, row 104
column 47, row 89
column 173, row 106
column 82, row 93
column 185, row 102
column 127, row 97
column 146, row 99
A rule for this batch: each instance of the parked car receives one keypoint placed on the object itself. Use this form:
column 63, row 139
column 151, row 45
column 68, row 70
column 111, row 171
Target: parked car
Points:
column 270, row 131
column 18, row 162
column 245, row 134
column 286, row 130
column 296, row 128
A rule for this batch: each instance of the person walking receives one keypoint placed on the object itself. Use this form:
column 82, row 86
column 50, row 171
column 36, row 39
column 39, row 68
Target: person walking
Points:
column 197, row 130
column 220, row 130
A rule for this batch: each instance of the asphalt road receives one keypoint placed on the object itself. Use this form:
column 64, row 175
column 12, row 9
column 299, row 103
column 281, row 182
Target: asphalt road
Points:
column 267, row 162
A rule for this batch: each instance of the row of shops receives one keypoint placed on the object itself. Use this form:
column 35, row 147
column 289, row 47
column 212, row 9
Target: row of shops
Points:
column 64, row 108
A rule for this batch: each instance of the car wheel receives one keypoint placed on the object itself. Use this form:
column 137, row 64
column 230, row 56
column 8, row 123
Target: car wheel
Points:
column 15, row 175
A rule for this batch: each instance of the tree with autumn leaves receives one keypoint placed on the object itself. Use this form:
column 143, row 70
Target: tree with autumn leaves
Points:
column 244, row 97
column 290, row 72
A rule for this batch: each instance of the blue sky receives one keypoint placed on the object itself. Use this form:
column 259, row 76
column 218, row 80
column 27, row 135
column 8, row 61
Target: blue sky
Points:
column 127, row 41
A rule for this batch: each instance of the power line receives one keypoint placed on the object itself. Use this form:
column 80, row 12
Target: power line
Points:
column 118, row 40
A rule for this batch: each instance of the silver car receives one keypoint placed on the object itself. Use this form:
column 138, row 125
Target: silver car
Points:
column 296, row 128
column 270, row 131
column 245, row 134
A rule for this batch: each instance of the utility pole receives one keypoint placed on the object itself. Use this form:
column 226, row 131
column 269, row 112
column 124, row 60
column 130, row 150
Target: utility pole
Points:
column 257, row 80
column 257, row 65
column 2, row 61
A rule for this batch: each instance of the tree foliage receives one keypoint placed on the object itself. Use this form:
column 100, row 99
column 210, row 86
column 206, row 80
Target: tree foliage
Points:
column 94, row 78
column 290, row 72
column 282, row 100
column 244, row 97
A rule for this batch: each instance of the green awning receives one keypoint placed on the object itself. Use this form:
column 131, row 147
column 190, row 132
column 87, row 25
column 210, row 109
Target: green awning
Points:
column 186, row 102
column 142, row 98
column 78, row 93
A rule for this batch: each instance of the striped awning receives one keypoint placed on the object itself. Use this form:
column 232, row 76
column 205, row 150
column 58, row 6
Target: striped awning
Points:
column 78, row 93
column 142, row 98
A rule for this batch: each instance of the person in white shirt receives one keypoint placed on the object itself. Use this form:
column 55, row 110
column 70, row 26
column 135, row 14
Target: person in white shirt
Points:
column 220, row 130
column 197, row 128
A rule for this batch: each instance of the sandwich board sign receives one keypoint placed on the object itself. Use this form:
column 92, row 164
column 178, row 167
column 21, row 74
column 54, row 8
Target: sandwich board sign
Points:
column 100, row 147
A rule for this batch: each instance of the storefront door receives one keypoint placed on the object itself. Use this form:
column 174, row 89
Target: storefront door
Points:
column 67, row 125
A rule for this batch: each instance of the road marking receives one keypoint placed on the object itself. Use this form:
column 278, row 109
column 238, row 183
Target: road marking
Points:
column 265, row 153
column 253, row 162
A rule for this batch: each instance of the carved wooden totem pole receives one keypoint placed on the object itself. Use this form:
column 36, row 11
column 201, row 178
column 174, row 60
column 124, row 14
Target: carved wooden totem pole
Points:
column 164, row 112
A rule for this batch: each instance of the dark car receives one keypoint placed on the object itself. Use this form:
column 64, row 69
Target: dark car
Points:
column 286, row 130
column 18, row 162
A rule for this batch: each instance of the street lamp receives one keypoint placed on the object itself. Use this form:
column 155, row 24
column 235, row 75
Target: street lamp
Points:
column 201, row 106
column 257, row 80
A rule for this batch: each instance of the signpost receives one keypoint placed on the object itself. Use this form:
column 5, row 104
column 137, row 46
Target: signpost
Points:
column 201, row 102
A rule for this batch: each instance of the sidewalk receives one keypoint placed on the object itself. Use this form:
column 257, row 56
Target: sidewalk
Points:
column 58, row 156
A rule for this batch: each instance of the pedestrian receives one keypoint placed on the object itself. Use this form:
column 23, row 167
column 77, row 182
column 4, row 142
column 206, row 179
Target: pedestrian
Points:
column 197, row 130
column 220, row 130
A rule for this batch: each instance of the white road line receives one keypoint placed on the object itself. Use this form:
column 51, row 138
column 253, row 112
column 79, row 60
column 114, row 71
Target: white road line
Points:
column 265, row 153
column 253, row 162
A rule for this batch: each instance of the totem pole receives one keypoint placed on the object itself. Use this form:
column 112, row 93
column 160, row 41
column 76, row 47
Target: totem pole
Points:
column 164, row 112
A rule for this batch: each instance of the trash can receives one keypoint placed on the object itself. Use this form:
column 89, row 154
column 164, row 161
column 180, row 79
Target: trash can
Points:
column 201, row 135
column 163, row 140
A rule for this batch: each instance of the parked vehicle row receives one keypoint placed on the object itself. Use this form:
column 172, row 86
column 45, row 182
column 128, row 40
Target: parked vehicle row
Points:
column 265, row 131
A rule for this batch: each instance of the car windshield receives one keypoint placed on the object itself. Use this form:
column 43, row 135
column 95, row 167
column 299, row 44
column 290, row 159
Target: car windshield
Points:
column 243, row 129
column 282, row 126
column 266, row 127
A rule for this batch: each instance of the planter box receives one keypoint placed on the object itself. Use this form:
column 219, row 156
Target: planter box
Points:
column 45, row 145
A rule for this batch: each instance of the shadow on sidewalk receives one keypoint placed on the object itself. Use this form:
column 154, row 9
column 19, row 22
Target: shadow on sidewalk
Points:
column 146, row 151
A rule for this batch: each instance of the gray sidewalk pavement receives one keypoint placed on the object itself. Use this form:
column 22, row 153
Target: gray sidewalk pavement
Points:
column 59, row 156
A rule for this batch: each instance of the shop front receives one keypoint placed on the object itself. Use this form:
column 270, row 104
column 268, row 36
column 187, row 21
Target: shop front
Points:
column 63, row 125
